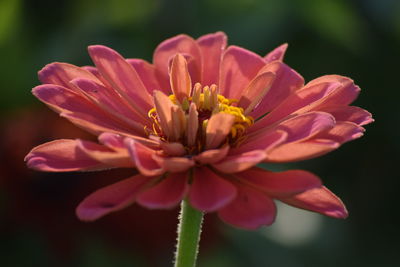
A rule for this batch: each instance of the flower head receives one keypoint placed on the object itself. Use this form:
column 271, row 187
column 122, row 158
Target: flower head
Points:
column 195, row 124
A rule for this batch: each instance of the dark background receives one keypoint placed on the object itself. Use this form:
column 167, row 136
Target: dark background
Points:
column 359, row 39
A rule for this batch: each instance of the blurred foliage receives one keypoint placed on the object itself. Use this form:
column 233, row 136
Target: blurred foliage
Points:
column 8, row 17
column 359, row 39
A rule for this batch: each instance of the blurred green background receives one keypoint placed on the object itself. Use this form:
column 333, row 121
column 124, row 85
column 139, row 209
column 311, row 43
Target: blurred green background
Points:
column 359, row 39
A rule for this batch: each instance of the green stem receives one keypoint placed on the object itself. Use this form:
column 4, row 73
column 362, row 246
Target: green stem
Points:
column 189, row 230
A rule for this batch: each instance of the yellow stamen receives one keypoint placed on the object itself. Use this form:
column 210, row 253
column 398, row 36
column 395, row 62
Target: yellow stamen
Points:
column 208, row 102
column 151, row 112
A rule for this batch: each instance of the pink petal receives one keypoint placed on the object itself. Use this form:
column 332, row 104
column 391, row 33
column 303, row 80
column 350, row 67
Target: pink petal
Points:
column 166, row 194
column 165, row 51
column 211, row 46
column 110, row 101
column 147, row 73
column 142, row 156
column 97, row 126
column 104, row 154
column 212, row 155
column 61, row 156
column 111, row 198
column 307, row 125
column 240, row 162
column 320, row 200
column 345, row 95
column 264, row 141
column 280, row 184
column 95, row 72
column 62, row 99
column 343, row 132
column 181, row 84
column 250, row 210
column 238, row 67
column 300, row 127
column 302, row 101
column 302, row 150
column 209, row 192
column 276, row 54
column 321, row 93
column 77, row 108
column 255, row 91
column 349, row 113
column 218, row 127
column 122, row 76
column 311, row 135
column 286, row 82
column 174, row 164
column 115, row 141
column 62, row 73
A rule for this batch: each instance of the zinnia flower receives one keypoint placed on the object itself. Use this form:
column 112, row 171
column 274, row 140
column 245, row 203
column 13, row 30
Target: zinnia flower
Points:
column 195, row 124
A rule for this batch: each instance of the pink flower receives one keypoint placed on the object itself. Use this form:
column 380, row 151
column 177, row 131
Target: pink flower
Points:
column 195, row 124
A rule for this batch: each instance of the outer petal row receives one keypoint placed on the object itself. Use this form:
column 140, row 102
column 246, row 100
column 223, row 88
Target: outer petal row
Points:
column 245, row 201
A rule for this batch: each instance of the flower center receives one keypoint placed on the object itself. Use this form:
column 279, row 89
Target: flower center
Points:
column 207, row 102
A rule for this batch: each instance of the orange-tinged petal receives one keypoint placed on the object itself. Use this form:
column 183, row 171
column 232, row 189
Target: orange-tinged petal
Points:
column 173, row 148
column 181, row 83
column 255, row 91
column 212, row 155
column 178, row 123
column 218, row 127
column 174, row 164
column 163, row 107
column 192, row 124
